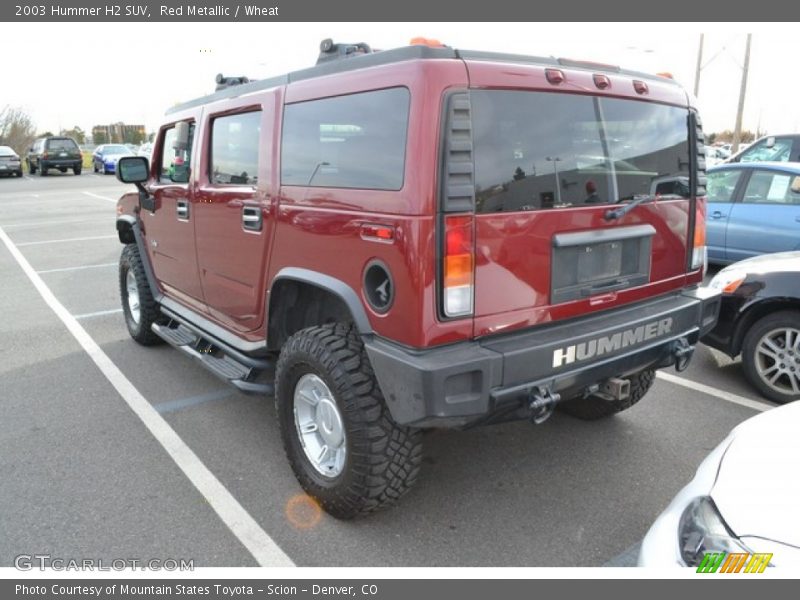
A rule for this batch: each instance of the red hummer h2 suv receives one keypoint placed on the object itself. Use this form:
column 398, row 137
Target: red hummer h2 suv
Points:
column 421, row 237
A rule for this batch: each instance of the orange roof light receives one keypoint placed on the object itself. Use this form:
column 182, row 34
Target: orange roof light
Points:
column 665, row 74
column 422, row 41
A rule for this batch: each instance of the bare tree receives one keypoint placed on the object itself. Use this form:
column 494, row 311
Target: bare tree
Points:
column 16, row 129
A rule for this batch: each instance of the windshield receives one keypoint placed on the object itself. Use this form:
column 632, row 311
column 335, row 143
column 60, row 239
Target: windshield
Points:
column 67, row 145
column 116, row 150
column 538, row 150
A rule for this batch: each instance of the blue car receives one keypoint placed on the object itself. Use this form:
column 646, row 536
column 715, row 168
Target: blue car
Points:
column 753, row 208
column 105, row 157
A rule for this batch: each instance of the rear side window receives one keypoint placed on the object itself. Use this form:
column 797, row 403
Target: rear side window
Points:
column 62, row 145
column 540, row 150
column 234, row 148
column 772, row 188
column 353, row 141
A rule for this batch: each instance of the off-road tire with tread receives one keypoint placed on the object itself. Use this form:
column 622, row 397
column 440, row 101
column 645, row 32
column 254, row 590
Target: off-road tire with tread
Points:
column 149, row 313
column 592, row 408
column 784, row 318
column 382, row 460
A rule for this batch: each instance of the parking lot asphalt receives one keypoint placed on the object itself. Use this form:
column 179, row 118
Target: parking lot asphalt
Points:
column 84, row 477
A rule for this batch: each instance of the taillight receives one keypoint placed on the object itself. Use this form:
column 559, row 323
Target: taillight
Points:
column 699, row 242
column 458, row 280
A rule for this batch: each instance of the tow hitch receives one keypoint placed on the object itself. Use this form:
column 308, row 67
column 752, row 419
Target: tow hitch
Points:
column 541, row 402
column 682, row 351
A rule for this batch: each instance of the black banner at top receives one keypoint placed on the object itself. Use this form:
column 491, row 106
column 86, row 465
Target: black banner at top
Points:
column 408, row 10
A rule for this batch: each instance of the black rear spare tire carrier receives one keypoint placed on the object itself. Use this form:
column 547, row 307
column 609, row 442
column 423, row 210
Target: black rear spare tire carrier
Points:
column 342, row 444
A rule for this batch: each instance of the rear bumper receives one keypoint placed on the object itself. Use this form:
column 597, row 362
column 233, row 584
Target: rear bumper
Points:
column 470, row 382
column 61, row 163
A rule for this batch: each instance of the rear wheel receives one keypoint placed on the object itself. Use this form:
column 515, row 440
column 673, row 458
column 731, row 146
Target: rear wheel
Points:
column 76, row 170
column 341, row 441
column 592, row 408
column 771, row 356
column 138, row 305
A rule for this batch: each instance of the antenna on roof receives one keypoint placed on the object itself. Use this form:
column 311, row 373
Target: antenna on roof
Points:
column 225, row 82
column 329, row 51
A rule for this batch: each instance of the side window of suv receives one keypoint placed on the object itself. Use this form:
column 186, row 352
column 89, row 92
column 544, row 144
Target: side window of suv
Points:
column 234, row 148
column 353, row 141
column 175, row 162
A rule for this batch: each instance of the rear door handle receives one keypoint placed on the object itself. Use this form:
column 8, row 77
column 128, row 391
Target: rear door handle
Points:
column 716, row 215
column 182, row 209
column 252, row 218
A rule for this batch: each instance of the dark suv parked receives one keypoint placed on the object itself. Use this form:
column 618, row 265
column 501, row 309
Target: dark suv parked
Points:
column 421, row 237
column 60, row 153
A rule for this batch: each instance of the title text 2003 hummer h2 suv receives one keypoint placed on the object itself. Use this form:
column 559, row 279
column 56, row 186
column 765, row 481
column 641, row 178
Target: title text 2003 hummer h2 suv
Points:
column 421, row 237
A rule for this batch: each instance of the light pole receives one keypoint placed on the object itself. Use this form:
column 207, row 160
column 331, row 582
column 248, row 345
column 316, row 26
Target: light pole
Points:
column 737, row 132
column 699, row 66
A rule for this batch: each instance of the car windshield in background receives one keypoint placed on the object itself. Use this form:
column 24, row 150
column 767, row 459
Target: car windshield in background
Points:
column 536, row 150
column 6, row 151
column 116, row 150
column 68, row 145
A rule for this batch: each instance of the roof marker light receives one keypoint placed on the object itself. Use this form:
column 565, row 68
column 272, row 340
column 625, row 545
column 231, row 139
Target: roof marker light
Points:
column 554, row 76
column 602, row 82
column 640, row 87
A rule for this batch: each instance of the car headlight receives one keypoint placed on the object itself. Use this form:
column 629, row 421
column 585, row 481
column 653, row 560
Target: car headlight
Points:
column 728, row 280
column 702, row 530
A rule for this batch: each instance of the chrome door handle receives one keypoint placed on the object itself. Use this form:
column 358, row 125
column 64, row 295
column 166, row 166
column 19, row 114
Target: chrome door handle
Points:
column 182, row 209
column 716, row 215
column 252, row 218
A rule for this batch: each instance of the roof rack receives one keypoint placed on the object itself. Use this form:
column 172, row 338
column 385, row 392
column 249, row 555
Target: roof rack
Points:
column 339, row 58
column 225, row 82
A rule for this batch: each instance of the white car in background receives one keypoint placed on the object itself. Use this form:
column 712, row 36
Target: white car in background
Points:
column 744, row 498
column 145, row 150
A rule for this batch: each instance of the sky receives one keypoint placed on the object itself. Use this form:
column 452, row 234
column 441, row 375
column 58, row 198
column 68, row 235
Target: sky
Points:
column 132, row 72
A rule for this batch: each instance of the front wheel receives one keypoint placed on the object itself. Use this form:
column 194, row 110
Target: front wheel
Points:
column 138, row 305
column 592, row 408
column 341, row 441
column 771, row 356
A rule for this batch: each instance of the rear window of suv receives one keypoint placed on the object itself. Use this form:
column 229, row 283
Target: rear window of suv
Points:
column 539, row 150
column 62, row 144
column 353, row 141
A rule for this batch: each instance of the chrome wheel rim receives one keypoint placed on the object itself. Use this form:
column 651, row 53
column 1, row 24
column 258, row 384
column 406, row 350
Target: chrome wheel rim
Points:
column 777, row 360
column 319, row 425
column 133, row 297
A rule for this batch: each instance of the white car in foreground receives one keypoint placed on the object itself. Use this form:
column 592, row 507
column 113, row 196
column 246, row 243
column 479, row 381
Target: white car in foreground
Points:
column 744, row 498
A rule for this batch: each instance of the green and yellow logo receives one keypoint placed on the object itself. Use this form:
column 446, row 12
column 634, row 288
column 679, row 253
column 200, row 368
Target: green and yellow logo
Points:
column 734, row 562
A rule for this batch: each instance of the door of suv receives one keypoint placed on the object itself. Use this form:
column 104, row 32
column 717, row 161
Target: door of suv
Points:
column 169, row 229
column 234, row 199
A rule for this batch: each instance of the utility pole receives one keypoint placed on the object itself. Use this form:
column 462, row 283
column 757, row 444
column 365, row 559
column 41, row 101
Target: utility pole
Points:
column 737, row 132
column 699, row 66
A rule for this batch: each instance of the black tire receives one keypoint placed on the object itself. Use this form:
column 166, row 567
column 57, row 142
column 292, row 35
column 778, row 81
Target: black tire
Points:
column 42, row 170
column 19, row 173
column 592, row 408
column 94, row 166
column 786, row 319
column 148, row 308
column 76, row 170
column 382, row 458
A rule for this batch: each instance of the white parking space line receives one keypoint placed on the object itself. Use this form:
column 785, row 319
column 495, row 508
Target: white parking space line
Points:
column 263, row 548
column 99, row 313
column 98, row 196
column 24, row 224
column 712, row 391
column 79, row 268
column 61, row 241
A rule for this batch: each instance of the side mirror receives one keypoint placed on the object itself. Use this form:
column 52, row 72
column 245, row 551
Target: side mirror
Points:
column 133, row 169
